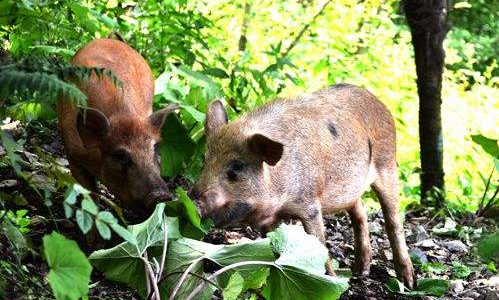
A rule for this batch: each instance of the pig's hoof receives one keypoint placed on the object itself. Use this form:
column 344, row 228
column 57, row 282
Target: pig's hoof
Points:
column 408, row 279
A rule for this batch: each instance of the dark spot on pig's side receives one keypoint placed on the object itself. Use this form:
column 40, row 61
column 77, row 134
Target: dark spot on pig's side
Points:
column 312, row 214
column 332, row 129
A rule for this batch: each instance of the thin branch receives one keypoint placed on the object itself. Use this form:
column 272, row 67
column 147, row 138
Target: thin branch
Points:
column 224, row 269
column 153, row 281
column 304, row 29
column 193, row 274
column 183, row 277
column 165, row 246
column 487, row 185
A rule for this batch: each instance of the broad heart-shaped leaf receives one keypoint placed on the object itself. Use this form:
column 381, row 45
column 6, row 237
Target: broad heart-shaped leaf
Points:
column 69, row 268
column 288, row 282
column 123, row 263
column 489, row 145
column 299, row 249
column 190, row 221
column 176, row 146
column 183, row 252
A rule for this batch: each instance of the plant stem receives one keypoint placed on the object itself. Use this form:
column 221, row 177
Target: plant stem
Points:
column 183, row 277
column 224, row 269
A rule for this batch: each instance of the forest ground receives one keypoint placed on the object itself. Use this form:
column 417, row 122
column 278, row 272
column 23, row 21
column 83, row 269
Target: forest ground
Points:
column 439, row 246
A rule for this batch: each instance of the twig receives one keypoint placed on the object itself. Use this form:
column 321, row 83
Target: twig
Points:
column 148, row 281
column 304, row 29
column 163, row 255
column 193, row 274
column 183, row 277
column 152, row 279
column 487, row 185
column 224, row 269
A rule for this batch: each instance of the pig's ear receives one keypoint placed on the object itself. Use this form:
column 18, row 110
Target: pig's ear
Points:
column 270, row 151
column 158, row 118
column 92, row 126
column 216, row 117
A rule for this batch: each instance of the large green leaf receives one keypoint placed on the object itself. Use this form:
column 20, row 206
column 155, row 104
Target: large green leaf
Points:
column 176, row 147
column 70, row 270
column 299, row 249
column 123, row 263
column 288, row 282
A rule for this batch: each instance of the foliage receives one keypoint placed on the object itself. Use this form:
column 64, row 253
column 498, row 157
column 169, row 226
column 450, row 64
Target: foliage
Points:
column 295, row 272
column 89, row 212
column 424, row 286
column 70, row 270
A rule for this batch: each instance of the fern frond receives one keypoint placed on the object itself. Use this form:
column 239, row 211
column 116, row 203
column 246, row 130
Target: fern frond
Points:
column 13, row 81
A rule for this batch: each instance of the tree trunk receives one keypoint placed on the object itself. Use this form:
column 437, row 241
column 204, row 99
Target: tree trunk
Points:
column 427, row 20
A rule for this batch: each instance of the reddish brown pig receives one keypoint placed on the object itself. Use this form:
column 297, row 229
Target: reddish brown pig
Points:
column 115, row 139
column 303, row 158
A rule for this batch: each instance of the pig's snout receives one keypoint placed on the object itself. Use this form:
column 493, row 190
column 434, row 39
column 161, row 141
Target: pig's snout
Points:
column 158, row 195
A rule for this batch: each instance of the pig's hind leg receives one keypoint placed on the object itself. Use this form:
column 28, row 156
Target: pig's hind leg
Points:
column 386, row 188
column 358, row 218
column 314, row 224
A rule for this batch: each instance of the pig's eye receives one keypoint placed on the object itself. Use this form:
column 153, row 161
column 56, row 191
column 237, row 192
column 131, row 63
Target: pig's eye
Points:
column 233, row 171
column 122, row 157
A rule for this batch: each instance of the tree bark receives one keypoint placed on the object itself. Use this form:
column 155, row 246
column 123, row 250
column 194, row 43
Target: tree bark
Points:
column 427, row 20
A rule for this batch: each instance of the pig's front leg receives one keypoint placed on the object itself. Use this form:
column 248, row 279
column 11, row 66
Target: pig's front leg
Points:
column 313, row 224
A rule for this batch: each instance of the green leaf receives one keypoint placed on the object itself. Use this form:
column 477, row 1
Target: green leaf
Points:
column 425, row 286
column 255, row 278
column 123, row 263
column 124, row 233
column 88, row 205
column 84, row 220
column 70, row 270
column 73, row 191
column 234, row 287
column 47, row 49
column 299, row 249
column 394, row 285
column 189, row 218
column 176, row 147
column 290, row 282
column 103, row 229
column 107, row 217
column 68, row 210
column 460, row 270
column 432, row 286
column 215, row 72
column 488, row 145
